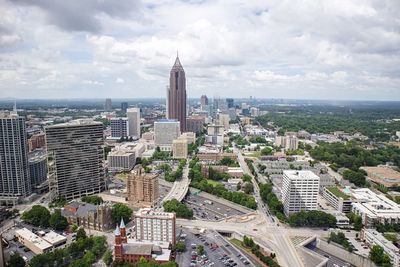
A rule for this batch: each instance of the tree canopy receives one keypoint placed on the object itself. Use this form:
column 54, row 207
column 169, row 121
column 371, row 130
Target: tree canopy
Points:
column 179, row 208
column 119, row 211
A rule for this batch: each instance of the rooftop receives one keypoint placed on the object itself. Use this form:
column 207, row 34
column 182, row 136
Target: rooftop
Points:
column 375, row 205
column 155, row 214
column 73, row 123
column 293, row 174
column 54, row 238
column 33, row 238
column 337, row 192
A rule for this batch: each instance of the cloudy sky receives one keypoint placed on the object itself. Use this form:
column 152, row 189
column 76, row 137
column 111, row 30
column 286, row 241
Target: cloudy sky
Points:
column 309, row 49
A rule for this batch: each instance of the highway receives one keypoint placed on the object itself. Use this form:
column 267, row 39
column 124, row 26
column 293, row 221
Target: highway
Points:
column 180, row 188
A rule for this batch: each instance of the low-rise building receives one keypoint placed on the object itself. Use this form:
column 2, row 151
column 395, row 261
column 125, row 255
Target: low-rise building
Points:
column 37, row 244
column 373, row 207
column 96, row 217
column 190, row 137
column 337, row 199
column 372, row 238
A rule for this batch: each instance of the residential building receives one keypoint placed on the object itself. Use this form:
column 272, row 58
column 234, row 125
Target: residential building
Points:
column 132, row 251
column 165, row 131
column 142, row 188
column 36, row 141
column 133, row 115
column 108, row 105
column 37, row 162
column 152, row 225
column 121, row 161
column 75, row 155
column 374, row 208
column 254, row 112
column 124, row 107
column 176, row 95
column 95, row 217
column 287, row 142
column 15, row 182
column 372, row 238
column 180, row 148
column 383, row 175
column 195, row 124
column 337, row 199
column 299, row 191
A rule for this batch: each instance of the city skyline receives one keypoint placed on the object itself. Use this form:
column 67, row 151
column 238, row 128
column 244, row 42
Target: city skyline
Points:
column 231, row 49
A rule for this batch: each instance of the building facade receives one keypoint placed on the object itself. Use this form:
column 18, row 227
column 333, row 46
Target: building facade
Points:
column 15, row 182
column 204, row 100
column 165, row 131
column 133, row 115
column 75, row 156
column 124, row 107
column 299, row 191
column 95, row 217
column 176, row 95
column 108, row 104
column 119, row 127
column 37, row 167
column 337, row 199
column 287, row 142
column 142, row 188
column 180, row 148
column 151, row 225
column 36, row 141
column 195, row 124
column 121, row 161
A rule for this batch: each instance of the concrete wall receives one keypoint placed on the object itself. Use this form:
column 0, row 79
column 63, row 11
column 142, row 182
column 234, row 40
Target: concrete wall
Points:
column 341, row 253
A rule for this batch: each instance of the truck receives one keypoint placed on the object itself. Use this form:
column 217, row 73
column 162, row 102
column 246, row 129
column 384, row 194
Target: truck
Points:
column 209, row 202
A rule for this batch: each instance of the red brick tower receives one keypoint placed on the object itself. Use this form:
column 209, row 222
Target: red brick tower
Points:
column 118, row 245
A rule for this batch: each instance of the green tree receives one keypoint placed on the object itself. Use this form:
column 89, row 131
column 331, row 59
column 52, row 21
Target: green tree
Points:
column 246, row 178
column 376, row 254
column 181, row 247
column 179, row 208
column 81, row 234
column 95, row 200
column 248, row 188
column 266, row 151
column 37, row 216
column 108, row 257
column 57, row 221
column 119, row 211
column 16, row 261
column 200, row 250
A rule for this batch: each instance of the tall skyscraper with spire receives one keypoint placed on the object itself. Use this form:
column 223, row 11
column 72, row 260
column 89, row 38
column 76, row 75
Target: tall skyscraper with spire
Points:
column 176, row 94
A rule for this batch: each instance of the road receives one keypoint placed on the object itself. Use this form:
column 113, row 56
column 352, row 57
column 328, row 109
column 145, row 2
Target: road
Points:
column 180, row 188
column 281, row 245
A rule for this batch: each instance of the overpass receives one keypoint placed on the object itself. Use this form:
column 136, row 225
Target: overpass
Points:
column 179, row 188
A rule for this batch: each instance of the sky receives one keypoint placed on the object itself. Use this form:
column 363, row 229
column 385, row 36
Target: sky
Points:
column 308, row 49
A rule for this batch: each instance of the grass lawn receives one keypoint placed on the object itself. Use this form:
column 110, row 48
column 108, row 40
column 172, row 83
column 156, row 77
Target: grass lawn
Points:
column 213, row 183
column 239, row 245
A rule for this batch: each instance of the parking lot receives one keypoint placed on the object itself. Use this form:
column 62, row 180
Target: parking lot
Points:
column 217, row 251
column 205, row 209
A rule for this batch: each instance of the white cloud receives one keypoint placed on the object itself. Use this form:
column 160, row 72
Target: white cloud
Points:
column 227, row 47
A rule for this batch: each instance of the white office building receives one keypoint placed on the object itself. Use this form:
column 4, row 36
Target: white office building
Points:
column 133, row 115
column 165, row 132
column 121, row 161
column 299, row 191
column 151, row 225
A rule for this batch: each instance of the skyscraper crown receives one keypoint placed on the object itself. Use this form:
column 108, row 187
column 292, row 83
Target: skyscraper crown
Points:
column 177, row 64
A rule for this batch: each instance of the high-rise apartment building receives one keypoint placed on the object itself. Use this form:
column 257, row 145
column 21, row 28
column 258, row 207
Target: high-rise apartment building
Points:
column 133, row 115
column 151, row 225
column 37, row 161
column 142, row 188
column 223, row 119
column 75, row 156
column 176, row 95
column 15, row 181
column 165, row 131
column 108, row 104
column 299, row 191
column 230, row 102
column 119, row 127
column 288, row 142
column 124, row 107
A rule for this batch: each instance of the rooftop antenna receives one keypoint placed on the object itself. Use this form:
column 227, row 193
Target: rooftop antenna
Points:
column 14, row 112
